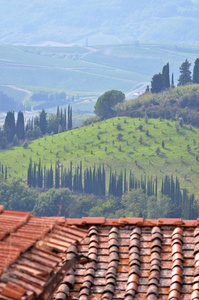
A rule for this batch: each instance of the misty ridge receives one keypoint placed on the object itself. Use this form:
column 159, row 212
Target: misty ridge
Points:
column 79, row 22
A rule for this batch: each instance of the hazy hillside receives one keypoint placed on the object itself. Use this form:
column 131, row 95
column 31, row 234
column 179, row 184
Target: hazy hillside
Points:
column 125, row 67
column 118, row 143
column 96, row 22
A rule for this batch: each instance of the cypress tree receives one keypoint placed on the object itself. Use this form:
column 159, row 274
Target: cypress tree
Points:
column 39, row 175
column 110, row 191
column 44, row 176
column 34, row 178
column 61, row 120
column 80, row 187
column 94, row 181
column 51, row 179
column 71, row 176
column 6, row 173
column 57, row 177
column 64, row 120
column 57, row 112
column 62, row 177
column 185, row 74
column 130, row 182
column 29, row 175
column 70, row 117
column 156, row 186
column 172, row 81
column 9, row 126
column 20, row 132
column 196, row 71
column 119, row 185
column 91, row 188
column 43, row 121
column 104, row 181
column 166, row 77
column 125, row 183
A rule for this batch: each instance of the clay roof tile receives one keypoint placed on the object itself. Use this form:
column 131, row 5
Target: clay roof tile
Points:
column 195, row 295
column 153, row 289
column 174, row 294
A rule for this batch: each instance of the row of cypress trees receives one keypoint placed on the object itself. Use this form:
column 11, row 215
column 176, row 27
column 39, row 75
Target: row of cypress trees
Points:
column 93, row 181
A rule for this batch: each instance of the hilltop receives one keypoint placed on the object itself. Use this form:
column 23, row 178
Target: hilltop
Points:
column 118, row 143
column 180, row 102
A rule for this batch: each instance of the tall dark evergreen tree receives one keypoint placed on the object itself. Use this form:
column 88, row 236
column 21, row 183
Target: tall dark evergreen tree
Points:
column 29, row 177
column 166, row 76
column 70, row 121
column 57, row 176
column 196, row 71
column 185, row 73
column 9, row 126
column 43, row 121
column 20, row 131
column 172, row 81
column 157, row 84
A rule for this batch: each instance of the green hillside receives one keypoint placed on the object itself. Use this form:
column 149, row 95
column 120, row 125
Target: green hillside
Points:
column 119, row 143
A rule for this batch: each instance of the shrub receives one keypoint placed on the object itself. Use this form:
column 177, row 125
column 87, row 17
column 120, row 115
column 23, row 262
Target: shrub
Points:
column 119, row 127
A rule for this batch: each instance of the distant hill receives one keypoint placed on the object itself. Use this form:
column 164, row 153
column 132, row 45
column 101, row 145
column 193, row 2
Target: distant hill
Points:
column 58, row 22
column 118, row 143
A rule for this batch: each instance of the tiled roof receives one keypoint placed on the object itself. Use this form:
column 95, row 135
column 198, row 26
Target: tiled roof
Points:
column 30, row 253
column 126, row 258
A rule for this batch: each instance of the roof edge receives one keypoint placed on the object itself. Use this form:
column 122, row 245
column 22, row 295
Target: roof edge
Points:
column 132, row 221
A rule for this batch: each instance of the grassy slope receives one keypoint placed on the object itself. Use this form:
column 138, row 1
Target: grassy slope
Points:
column 78, row 143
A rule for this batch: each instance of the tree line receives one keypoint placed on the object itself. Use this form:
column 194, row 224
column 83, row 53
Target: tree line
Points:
column 93, row 180
column 162, row 81
column 16, row 130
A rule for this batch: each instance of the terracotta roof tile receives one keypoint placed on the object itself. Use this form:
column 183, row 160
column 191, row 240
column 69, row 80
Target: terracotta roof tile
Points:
column 98, row 258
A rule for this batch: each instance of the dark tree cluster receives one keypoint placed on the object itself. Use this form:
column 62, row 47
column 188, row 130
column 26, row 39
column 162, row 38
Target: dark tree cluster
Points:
column 56, row 123
column 181, row 203
column 161, row 81
column 13, row 132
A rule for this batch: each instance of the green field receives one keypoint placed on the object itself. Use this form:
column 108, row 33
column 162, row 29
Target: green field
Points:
column 100, row 143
